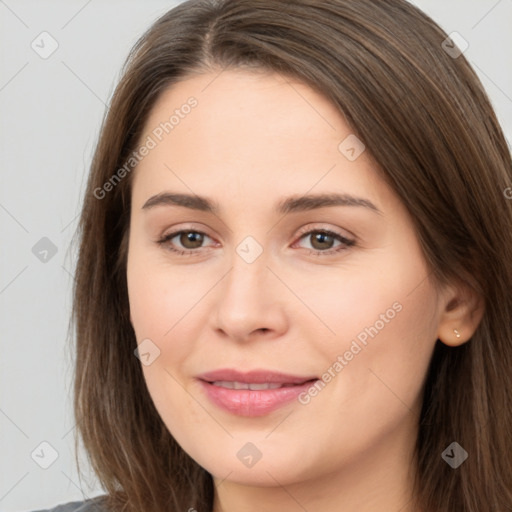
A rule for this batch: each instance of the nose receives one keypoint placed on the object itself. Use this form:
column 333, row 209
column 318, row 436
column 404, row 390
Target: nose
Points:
column 250, row 302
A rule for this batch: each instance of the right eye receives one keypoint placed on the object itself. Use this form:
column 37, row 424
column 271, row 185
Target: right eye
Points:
column 189, row 239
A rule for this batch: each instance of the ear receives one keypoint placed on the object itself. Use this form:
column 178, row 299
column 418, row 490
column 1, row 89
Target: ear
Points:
column 462, row 311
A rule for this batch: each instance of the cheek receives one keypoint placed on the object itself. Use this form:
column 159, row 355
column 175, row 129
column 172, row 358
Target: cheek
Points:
column 382, row 354
column 384, row 322
column 160, row 297
column 166, row 304
column 159, row 301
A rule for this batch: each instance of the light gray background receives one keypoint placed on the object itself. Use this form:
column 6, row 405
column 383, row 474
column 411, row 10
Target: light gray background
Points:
column 51, row 110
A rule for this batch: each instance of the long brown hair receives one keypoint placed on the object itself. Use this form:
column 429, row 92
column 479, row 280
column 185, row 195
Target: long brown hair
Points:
column 426, row 120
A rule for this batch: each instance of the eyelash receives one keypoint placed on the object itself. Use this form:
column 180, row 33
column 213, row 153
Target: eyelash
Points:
column 345, row 242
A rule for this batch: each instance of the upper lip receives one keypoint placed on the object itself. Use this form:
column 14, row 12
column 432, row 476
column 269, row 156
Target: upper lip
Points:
column 253, row 376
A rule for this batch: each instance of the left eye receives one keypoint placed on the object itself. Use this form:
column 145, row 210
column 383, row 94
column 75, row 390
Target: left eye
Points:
column 322, row 242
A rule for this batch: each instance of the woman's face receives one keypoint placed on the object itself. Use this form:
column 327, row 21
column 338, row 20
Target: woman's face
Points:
column 277, row 280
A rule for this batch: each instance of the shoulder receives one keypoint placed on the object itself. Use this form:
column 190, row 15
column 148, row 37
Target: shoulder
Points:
column 91, row 505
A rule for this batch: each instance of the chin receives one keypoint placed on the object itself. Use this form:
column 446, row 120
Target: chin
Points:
column 240, row 461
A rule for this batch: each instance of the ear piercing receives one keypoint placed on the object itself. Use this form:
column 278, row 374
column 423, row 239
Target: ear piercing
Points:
column 457, row 333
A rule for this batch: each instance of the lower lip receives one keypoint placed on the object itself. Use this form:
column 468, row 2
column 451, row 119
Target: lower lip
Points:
column 248, row 402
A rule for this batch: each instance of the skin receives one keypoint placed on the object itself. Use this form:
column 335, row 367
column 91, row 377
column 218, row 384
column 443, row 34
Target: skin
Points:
column 253, row 139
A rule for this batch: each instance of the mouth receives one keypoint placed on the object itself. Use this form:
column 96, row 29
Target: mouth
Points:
column 252, row 385
column 253, row 393
column 254, row 377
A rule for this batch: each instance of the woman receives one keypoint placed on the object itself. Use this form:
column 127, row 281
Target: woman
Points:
column 224, row 365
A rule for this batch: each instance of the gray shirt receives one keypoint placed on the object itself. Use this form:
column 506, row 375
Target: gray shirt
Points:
column 77, row 506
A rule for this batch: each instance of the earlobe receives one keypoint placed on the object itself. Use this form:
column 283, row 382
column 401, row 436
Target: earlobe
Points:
column 454, row 339
column 461, row 316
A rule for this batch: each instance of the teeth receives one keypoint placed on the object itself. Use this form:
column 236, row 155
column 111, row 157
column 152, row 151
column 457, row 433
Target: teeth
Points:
column 244, row 385
column 265, row 385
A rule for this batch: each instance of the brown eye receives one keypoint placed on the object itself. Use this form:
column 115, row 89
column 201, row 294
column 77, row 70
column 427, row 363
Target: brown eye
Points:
column 183, row 242
column 321, row 241
column 191, row 239
column 326, row 242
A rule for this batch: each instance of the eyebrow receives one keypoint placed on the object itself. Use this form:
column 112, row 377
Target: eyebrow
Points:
column 288, row 205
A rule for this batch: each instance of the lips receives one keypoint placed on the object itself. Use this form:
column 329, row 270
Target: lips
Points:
column 255, row 377
column 255, row 386
column 253, row 393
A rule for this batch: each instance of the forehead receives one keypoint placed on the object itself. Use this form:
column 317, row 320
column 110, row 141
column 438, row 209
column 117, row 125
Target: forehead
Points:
column 249, row 133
